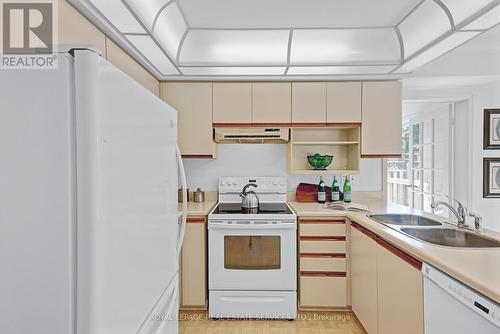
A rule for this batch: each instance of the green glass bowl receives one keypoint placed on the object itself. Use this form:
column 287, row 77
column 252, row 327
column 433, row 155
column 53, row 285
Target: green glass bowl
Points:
column 319, row 162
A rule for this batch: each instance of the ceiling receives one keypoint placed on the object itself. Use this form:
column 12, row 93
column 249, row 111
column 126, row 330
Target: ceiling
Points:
column 289, row 39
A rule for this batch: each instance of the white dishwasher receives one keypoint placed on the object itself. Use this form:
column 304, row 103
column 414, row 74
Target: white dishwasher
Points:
column 454, row 308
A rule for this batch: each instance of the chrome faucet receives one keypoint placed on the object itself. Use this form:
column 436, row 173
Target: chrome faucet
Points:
column 477, row 220
column 460, row 212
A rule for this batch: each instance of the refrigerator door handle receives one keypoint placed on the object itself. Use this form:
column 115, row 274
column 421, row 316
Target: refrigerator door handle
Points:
column 184, row 200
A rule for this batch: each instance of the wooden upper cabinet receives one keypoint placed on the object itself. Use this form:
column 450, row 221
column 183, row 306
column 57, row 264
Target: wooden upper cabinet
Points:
column 74, row 29
column 343, row 102
column 400, row 295
column 309, row 102
column 232, row 102
column 272, row 102
column 127, row 64
column 381, row 119
column 193, row 102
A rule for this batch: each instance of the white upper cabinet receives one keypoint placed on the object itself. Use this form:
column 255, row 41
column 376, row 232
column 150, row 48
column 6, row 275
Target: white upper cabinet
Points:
column 232, row 102
column 381, row 119
column 272, row 103
column 309, row 102
column 343, row 102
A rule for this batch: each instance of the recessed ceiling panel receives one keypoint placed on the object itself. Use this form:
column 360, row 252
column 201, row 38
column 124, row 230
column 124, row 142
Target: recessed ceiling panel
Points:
column 147, row 10
column 436, row 51
column 345, row 46
column 153, row 53
column 169, row 29
column 339, row 70
column 428, row 22
column 463, row 9
column 486, row 21
column 295, row 13
column 233, row 70
column 118, row 15
column 235, row 48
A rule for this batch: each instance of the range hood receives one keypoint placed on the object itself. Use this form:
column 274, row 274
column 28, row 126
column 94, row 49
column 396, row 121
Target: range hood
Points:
column 269, row 135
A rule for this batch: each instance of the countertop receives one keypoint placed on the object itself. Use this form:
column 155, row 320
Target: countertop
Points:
column 478, row 268
column 199, row 209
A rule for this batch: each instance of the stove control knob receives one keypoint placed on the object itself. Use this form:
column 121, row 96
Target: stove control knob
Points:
column 282, row 183
column 275, row 183
column 235, row 183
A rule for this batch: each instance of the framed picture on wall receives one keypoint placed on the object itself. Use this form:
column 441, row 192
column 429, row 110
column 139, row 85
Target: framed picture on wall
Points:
column 491, row 177
column 492, row 129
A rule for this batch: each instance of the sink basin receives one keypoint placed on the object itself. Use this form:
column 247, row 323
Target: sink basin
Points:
column 450, row 237
column 401, row 219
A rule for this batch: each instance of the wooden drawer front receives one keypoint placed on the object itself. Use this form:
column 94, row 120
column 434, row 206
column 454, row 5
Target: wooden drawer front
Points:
column 322, row 246
column 322, row 263
column 322, row 229
column 323, row 291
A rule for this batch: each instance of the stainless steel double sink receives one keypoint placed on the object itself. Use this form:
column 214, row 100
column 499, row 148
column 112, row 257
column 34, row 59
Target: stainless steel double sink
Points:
column 434, row 232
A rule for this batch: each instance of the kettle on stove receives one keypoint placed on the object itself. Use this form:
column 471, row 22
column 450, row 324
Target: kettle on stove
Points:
column 250, row 200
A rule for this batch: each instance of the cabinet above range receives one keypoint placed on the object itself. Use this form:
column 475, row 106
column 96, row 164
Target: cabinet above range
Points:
column 374, row 107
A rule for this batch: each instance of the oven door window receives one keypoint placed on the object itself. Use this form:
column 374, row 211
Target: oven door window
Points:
column 252, row 252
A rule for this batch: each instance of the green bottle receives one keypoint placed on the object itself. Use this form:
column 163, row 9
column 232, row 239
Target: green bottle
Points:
column 335, row 190
column 347, row 190
column 321, row 191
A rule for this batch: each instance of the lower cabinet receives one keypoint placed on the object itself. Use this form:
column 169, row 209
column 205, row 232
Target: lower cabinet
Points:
column 387, row 286
column 194, row 265
column 400, row 294
column 322, row 264
column 364, row 279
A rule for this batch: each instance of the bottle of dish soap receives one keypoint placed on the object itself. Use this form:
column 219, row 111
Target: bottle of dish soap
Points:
column 321, row 191
column 347, row 190
column 335, row 190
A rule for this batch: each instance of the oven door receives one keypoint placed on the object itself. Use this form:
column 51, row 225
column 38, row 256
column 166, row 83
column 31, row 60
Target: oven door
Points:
column 248, row 255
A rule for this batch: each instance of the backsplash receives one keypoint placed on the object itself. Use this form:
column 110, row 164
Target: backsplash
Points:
column 267, row 160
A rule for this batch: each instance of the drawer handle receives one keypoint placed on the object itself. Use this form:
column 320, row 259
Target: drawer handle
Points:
column 324, row 255
column 322, row 221
column 323, row 273
column 319, row 238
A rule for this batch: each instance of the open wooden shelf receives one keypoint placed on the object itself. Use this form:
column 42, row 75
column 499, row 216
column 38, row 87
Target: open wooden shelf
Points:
column 341, row 142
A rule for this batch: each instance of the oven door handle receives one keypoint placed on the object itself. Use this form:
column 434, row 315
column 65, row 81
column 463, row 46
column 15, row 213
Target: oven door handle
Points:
column 236, row 226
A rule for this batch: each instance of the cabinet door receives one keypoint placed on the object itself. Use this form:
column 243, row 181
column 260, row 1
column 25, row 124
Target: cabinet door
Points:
column 381, row 124
column 193, row 102
column 74, row 29
column 232, row 102
column 272, row 102
column 343, row 102
column 194, row 263
column 127, row 64
column 400, row 295
column 309, row 102
column 364, row 280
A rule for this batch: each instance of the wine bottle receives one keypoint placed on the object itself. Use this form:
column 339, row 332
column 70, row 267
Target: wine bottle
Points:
column 347, row 190
column 321, row 191
column 335, row 190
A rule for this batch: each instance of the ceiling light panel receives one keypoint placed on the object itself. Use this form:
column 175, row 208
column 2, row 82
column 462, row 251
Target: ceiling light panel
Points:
column 235, row 48
column 233, row 70
column 153, row 53
column 147, row 10
column 428, row 22
column 119, row 16
column 344, row 46
column 169, row 29
column 486, row 21
column 463, row 9
column 436, row 51
column 339, row 70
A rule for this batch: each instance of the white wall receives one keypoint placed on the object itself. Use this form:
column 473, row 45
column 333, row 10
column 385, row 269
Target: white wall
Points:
column 484, row 97
column 266, row 160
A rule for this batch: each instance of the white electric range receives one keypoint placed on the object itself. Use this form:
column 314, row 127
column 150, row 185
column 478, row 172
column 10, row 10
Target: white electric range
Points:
column 252, row 256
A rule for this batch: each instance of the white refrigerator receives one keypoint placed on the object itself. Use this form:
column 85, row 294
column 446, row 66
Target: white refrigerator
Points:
column 89, row 226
